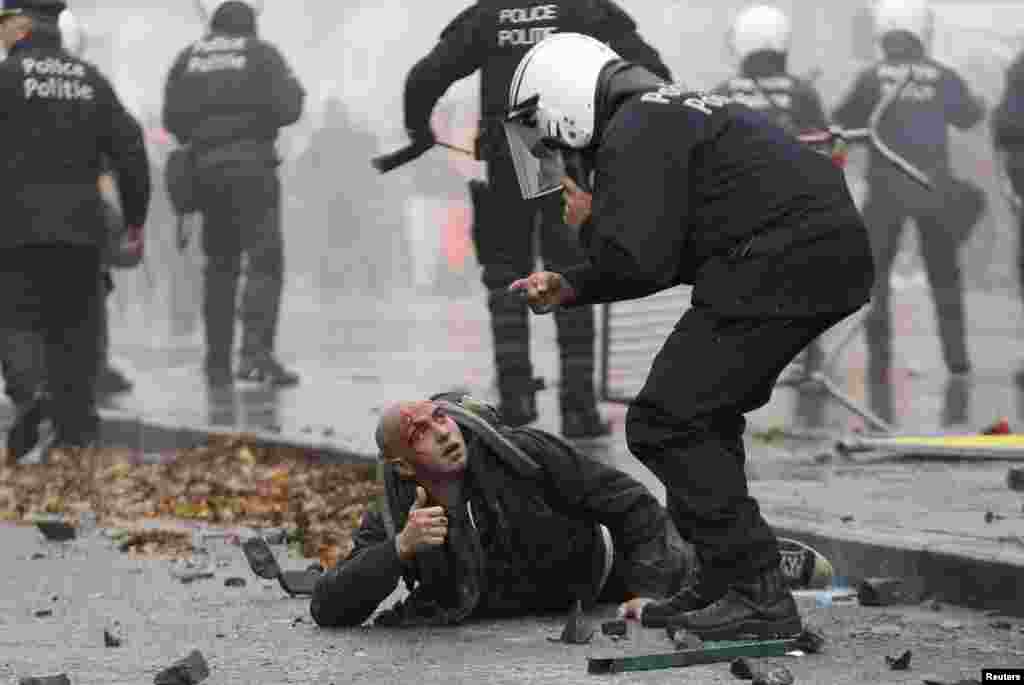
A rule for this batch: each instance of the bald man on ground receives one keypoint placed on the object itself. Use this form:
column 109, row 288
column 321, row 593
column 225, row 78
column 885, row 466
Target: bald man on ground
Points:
column 483, row 520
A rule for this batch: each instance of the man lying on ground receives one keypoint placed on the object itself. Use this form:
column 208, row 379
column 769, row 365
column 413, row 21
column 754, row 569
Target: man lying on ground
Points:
column 483, row 520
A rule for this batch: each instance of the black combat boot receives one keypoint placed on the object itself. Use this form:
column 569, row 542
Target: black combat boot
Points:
column 762, row 608
column 666, row 612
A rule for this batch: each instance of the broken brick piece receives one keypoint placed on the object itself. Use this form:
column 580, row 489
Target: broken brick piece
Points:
column 189, row 671
column 776, row 676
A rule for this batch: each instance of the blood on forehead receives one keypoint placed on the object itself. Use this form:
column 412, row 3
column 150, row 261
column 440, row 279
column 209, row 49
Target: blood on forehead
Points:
column 414, row 415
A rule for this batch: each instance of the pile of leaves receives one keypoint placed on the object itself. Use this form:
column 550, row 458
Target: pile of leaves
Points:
column 228, row 483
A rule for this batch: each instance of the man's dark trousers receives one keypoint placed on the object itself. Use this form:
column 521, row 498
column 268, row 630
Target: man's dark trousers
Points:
column 241, row 216
column 687, row 424
column 52, row 292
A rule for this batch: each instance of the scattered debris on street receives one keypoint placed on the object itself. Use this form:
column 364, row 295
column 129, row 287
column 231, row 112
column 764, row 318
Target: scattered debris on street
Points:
column 900, row 663
column 189, row 671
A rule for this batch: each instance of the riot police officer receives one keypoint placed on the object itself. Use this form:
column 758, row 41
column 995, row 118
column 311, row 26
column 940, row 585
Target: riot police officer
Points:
column 760, row 40
column 913, row 99
column 60, row 118
column 226, row 97
column 493, row 36
column 1008, row 139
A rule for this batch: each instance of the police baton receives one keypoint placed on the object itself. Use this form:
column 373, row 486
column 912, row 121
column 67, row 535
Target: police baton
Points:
column 411, row 152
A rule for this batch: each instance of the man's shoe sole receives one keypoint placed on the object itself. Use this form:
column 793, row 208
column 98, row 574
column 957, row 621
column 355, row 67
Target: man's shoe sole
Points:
column 747, row 629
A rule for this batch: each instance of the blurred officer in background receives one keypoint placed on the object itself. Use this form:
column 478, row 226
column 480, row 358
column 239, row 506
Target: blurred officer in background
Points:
column 760, row 40
column 226, row 97
column 1008, row 137
column 61, row 119
column 493, row 36
column 912, row 99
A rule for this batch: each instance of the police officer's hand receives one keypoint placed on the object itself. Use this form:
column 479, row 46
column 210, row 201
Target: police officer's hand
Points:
column 576, row 203
column 426, row 527
column 544, row 291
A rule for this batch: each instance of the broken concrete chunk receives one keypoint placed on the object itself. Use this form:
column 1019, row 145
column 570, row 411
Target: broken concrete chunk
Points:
column 112, row 636
column 43, row 613
column 56, row 531
column 900, row 663
column 61, row 679
column 776, row 676
column 742, row 669
column 234, row 582
column 811, row 641
column 189, row 671
column 1015, row 479
column 889, row 591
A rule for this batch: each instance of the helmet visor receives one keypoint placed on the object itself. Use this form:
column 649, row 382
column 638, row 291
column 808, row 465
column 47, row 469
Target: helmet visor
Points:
column 540, row 167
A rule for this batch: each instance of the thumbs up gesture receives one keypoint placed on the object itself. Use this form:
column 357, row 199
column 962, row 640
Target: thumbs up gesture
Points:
column 426, row 527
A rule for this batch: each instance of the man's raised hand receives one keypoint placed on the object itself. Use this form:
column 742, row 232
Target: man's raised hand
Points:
column 426, row 527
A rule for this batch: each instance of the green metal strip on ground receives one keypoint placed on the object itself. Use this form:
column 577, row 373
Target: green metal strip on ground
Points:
column 709, row 653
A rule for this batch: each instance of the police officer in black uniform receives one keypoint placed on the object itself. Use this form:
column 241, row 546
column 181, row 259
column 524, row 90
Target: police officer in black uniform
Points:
column 691, row 188
column 914, row 100
column 61, row 119
column 493, row 36
column 760, row 39
column 1008, row 139
column 227, row 96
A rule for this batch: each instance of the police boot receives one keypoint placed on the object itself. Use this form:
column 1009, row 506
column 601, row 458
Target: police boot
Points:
column 577, row 398
column 510, row 329
column 664, row 613
column 762, row 608
column 23, row 434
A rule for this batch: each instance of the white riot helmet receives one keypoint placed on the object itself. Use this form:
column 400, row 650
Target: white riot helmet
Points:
column 761, row 27
column 208, row 8
column 71, row 34
column 913, row 16
column 552, row 104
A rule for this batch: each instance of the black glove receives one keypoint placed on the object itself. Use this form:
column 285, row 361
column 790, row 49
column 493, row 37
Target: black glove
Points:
column 422, row 137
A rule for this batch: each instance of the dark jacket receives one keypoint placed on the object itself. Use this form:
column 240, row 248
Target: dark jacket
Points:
column 229, row 93
column 765, row 86
column 695, row 189
column 916, row 124
column 1008, row 117
column 60, row 118
column 493, row 36
column 530, row 545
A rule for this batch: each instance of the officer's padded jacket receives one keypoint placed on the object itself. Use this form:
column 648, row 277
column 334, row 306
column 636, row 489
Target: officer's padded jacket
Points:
column 228, row 94
column 916, row 124
column 60, row 119
column 790, row 101
column 1008, row 117
column 692, row 188
column 537, row 542
column 494, row 35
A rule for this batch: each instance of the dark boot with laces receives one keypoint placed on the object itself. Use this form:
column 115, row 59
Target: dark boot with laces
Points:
column 762, row 608
column 691, row 598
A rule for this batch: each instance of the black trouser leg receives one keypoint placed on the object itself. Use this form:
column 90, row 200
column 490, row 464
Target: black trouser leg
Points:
column 264, row 283
column 560, row 249
column 940, row 251
column 71, row 336
column 884, row 219
column 503, row 236
column 687, row 424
